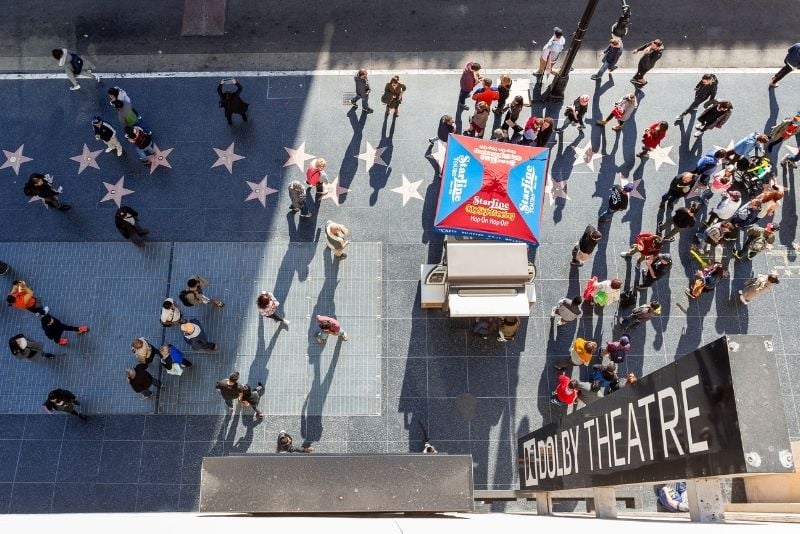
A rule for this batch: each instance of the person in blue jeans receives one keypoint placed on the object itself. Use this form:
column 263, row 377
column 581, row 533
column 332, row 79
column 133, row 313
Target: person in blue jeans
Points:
column 705, row 167
column 674, row 498
column 611, row 55
column 362, row 91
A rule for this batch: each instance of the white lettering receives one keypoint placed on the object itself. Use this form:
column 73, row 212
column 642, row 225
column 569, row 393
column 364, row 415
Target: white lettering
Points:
column 566, row 455
column 588, row 425
column 633, row 429
column 669, row 426
column 551, row 463
column 573, row 438
column 605, row 440
column 615, row 436
column 689, row 414
column 646, row 402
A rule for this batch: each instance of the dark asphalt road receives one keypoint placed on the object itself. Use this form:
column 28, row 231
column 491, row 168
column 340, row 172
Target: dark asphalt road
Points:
column 148, row 26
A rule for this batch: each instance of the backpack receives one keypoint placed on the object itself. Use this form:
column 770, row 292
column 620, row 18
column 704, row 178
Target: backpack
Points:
column 77, row 63
column 182, row 296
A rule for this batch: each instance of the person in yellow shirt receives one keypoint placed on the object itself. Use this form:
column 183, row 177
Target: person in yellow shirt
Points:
column 581, row 353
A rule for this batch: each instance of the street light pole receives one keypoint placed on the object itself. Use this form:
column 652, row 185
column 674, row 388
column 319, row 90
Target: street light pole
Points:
column 555, row 92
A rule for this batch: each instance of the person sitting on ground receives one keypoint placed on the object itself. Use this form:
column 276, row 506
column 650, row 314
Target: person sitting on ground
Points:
column 508, row 329
column 674, row 497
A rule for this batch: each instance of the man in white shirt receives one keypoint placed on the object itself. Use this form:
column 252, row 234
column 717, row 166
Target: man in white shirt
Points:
column 552, row 49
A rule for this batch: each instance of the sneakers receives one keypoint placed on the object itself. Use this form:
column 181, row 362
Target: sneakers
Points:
column 773, row 83
column 83, row 329
column 595, row 77
column 601, row 122
column 625, row 254
column 354, row 104
column 286, row 322
column 345, row 336
column 741, row 297
column 698, row 133
column 617, row 128
column 109, row 149
column 368, row 110
column 576, row 263
column 642, row 154
column 786, row 161
column 432, row 140
column 305, row 215
column 679, row 117
column 46, row 310
column 75, row 87
column 82, row 417
column 63, row 341
column 49, row 355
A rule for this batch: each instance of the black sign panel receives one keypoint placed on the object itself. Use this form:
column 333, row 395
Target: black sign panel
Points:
column 714, row 412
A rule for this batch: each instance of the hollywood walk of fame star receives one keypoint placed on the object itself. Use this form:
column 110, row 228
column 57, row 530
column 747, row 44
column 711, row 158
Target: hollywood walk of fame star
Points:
column 15, row 159
column 116, row 191
column 226, row 158
column 298, row 156
column 372, row 156
column 159, row 159
column 333, row 191
column 259, row 191
column 438, row 153
column 587, row 155
column 555, row 190
column 792, row 149
column 87, row 158
column 409, row 190
column 623, row 180
column 660, row 155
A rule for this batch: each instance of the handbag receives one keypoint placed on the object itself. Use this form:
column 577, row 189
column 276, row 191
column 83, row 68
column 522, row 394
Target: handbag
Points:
column 387, row 97
column 617, row 112
column 76, row 63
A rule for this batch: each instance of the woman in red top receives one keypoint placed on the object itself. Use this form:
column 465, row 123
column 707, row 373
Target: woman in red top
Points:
column 566, row 391
column 652, row 137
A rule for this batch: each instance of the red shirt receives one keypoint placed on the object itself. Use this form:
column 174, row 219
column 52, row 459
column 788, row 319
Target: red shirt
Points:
column 646, row 245
column 335, row 326
column 567, row 396
column 652, row 136
column 488, row 95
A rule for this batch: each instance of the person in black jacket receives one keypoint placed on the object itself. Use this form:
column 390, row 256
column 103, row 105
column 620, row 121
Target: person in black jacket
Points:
column 231, row 102
column 585, row 246
column 54, row 329
column 39, row 185
column 104, row 132
column 127, row 222
column 705, row 90
column 63, row 400
column 575, row 113
column 447, row 125
column 652, row 52
column 250, row 397
column 682, row 219
column 22, row 347
column 285, row 444
column 362, row 91
column 611, row 55
column 617, row 201
column 141, row 380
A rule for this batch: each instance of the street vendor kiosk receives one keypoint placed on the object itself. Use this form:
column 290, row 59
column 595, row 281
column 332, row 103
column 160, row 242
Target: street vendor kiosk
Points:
column 490, row 208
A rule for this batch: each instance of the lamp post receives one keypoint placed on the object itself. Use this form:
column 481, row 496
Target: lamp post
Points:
column 555, row 92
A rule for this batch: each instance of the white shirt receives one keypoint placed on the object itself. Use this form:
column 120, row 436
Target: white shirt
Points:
column 553, row 47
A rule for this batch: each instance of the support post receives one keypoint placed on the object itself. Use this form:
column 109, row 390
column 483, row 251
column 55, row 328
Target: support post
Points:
column 705, row 500
column 559, row 84
column 605, row 503
column 544, row 503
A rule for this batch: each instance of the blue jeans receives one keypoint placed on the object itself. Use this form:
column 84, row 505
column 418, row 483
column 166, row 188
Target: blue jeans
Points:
column 145, row 152
column 146, row 394
column 603, row 69
column 364, row 101
column 607, row 215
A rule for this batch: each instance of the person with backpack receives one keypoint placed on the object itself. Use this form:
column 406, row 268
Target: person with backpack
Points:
column 73, row 67
column 622, row 111
column 142, row 141
column 329, row 326
column 63, row 400
column 193, row 295
column 616, row 351
column 21, row 297
column 143, row 351
column 41, row 185
column 316, row 180
column 617, row 201
column 585, row 246
column 22, row 347
column 704, row 91
column 173, row 360
column 785, row 129
column 758, row 239
column 231, row 102
column 170, row 313
column 639, row 315
column 706, row 280
column 567, row 310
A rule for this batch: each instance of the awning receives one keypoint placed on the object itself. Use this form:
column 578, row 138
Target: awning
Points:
column 463, row 304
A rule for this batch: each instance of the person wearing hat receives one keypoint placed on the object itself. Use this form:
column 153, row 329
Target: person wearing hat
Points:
column 550, row 52
column 640, row 314
column 229, row 389
column 651, row 53
column 756, row 287
column 611, row 56
column 104, row 132
column 654, row 269
column 616, row 351
column 575, row 113
column 758, row 239
column 617, row 201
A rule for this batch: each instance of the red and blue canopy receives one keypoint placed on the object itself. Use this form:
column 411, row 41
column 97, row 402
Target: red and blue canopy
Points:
column 492, row 189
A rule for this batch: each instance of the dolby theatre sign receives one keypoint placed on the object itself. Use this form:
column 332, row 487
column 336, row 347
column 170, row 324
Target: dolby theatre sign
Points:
column 717, row 411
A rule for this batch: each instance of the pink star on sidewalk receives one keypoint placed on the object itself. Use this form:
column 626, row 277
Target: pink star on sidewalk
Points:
column 333, row 190
column 298, row 156
column 15, row 159
column 226, row 157
column 87, row 158
column 116, row 191
column 372, row 156
column 159, row 159
column 635, row 191
column 259, row 191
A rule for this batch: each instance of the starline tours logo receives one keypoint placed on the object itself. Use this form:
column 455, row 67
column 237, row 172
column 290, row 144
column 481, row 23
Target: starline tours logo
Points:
column 529, row 183
column 458, row 172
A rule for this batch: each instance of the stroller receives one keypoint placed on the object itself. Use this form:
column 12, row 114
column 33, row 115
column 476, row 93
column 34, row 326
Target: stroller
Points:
column 753, row 173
